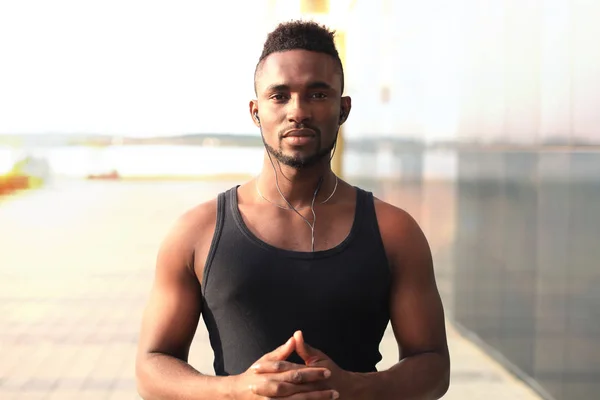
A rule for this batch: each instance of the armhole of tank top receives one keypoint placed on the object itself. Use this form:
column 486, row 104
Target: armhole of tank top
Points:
column 215, row 240
column 377, row 231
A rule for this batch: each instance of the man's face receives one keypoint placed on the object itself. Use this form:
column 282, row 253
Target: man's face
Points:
column 299, row 105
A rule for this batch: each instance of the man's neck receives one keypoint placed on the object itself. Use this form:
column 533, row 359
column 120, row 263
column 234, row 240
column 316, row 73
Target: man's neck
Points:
column 298, row 185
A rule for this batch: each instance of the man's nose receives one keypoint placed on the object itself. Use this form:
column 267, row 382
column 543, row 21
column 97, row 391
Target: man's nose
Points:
column 299, row 110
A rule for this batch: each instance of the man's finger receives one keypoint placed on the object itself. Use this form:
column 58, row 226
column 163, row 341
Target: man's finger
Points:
column 276, row 389
column 282, row 352
column 269, row 366
column 315, row 395
column 308, row 353
column 290, row 372
column 302, row 376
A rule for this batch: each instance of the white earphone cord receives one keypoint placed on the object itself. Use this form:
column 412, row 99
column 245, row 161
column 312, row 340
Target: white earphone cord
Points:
column 312, row 205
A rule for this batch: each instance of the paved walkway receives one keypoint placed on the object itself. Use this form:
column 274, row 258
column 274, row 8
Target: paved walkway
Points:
column 76, row 262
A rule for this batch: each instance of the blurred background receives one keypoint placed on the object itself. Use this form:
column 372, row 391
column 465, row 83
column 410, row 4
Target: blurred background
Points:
column 479, row 117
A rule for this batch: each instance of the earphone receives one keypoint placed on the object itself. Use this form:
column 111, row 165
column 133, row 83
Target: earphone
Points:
column 256, row 116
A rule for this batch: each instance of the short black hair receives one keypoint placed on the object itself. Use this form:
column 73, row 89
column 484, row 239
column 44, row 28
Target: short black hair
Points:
column 303, row 35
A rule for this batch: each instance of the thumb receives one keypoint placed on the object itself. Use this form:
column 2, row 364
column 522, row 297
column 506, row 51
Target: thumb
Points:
column 309, row 354
column 282, row 352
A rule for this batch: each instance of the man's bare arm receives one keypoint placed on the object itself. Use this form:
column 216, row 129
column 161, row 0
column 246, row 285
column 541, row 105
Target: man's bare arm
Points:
column 172, row 314
column 417, row 316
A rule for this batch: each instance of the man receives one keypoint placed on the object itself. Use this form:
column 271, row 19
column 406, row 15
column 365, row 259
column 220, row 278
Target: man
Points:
column 295, row 273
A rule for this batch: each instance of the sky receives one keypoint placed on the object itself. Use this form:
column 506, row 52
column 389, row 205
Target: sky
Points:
column 127, row 67
column 518, row 69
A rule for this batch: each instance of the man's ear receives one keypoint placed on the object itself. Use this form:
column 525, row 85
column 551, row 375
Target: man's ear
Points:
column 345, row 106
column 254, row 112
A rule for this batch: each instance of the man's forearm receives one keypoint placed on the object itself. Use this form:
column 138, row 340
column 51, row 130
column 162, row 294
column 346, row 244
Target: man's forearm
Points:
column 160, row 376
column 420, row 377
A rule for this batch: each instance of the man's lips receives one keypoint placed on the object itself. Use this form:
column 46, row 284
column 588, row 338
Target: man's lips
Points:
column 304, row 132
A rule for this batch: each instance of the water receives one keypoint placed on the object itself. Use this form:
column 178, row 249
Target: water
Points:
column 178, row 160
column 80, row 161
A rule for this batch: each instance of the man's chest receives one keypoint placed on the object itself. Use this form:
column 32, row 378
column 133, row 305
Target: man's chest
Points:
column 288, row 230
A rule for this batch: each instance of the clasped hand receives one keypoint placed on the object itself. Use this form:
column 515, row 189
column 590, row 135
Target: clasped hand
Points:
column 273, row 377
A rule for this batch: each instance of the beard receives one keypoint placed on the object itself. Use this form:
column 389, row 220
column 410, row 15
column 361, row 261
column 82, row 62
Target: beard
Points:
column 300, row 162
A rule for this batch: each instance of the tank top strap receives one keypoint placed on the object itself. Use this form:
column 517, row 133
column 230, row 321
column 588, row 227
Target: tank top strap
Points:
column 365, row 209
column 368, row 231
column 221, row 210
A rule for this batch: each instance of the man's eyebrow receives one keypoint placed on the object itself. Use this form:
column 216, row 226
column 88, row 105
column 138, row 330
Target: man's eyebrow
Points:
column 280, row 87
column 277, row 88
column 319, row 85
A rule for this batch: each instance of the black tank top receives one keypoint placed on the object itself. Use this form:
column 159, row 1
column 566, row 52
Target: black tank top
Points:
column 255, row 296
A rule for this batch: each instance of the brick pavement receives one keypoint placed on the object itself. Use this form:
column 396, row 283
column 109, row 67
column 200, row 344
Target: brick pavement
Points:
column 75, row 268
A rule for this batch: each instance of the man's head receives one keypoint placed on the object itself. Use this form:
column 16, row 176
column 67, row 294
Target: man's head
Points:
column 299, row 82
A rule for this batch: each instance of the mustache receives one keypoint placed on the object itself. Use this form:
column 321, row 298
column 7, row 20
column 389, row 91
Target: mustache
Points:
column 300, row 126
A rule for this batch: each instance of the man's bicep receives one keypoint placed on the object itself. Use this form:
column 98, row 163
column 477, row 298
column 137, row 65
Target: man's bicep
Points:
column 174, row 306
column 417, row 313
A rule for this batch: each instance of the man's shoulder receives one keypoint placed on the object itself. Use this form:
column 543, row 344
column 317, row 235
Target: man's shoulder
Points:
column 198, row 217
column 194, row 223
column 399, row 230
column 390, row 214
column 189, row 234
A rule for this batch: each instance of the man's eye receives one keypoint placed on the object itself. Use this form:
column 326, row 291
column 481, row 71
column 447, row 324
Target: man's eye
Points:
column 319, row 95
column 278, row 97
